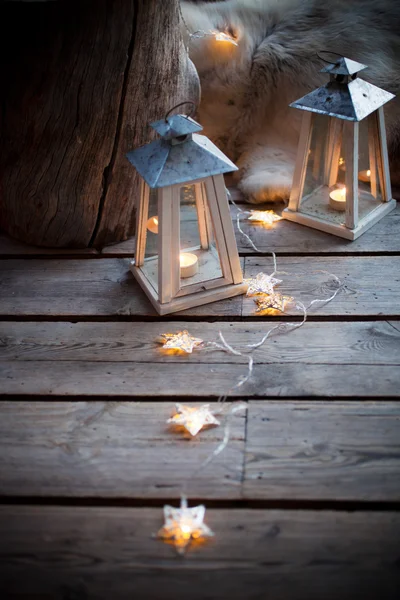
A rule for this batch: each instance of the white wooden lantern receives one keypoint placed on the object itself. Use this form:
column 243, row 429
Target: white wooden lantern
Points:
column 341, row 182
column 186, row 253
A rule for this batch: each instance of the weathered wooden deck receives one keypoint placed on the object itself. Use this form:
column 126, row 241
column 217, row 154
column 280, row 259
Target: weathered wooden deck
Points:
column 304, row 500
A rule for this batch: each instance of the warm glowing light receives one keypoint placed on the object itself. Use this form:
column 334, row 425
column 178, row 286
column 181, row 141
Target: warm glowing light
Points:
column 184, row 524
column 180, row 341
column 365, row 176
column 261, row 284
column 193, row 418
column 266, row 217
column 152, row 224
column 189, row 264
column 337, row 199
column 341, row 161
column 272, row 302
column 221, row 36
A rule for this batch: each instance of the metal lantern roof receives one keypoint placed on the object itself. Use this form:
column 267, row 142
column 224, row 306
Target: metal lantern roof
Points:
column 344, row 66
column 175, row 126
column 350, row 100
column 179, row 156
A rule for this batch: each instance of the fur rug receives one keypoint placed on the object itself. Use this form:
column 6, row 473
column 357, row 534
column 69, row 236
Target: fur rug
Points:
column 246, row 89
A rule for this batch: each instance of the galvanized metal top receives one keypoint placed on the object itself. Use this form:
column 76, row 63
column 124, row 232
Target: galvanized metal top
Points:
column 352, row 100
column 344, row 66
column 175, row 126
column 180, row 156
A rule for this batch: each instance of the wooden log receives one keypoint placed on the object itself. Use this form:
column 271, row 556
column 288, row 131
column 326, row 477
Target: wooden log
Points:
column 102, row 553
column 83, row 84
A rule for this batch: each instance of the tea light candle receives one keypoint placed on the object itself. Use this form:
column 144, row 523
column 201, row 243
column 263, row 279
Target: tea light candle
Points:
column 152, row 224
column 189, row 264
column 365, row 176
column 337, row 199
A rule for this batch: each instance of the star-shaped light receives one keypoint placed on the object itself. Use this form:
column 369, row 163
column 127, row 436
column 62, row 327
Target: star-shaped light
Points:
column 184, row 524
column 222, row 36
column 192, row 418
column 261, row 284
column 272, row 301
column 267, row 217
column 180, row 341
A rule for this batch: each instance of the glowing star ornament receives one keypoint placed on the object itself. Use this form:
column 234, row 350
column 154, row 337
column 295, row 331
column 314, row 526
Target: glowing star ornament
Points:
column 266, row 217
column 272, row 301
column 193, row 419
column 221, row 36
column 180, row 341
column 261, row 284
column 184, row 524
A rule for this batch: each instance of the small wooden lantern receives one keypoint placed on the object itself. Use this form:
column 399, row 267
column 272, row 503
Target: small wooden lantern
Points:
column 341, row 181
column 186, row 253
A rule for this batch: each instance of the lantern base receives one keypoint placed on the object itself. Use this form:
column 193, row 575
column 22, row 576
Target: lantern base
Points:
column 341, row 230
column 189, row 301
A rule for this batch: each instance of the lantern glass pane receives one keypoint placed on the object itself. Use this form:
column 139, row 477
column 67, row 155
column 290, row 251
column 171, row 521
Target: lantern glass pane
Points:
column 324, row 191
column 199, row 258
column 150, row 266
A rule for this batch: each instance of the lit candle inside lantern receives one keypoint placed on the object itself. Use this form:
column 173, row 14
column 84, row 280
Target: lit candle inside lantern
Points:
column 189, row 264
column 365, row 176
column 362, row 175
column 337, row 199
column 152, row 224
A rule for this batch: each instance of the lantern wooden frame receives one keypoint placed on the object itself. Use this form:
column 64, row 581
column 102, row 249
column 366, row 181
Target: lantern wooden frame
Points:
column 213, row 210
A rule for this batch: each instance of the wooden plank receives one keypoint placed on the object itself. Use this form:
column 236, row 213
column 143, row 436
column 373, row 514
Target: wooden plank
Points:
column 74, row 287
column 107, row 288
column 11, row 247
column 310, row 451
column 285, row 237
column 343, row 359
column 110, row 552
column 372, row 285
column 326, row 343
column 307, row 450
column 113, row 449
column 177, row 380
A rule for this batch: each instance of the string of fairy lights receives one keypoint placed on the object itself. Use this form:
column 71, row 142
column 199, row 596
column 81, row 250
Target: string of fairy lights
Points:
column 184, row 525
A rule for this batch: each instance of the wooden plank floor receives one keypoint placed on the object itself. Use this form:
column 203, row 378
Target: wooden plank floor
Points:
column 305, row 499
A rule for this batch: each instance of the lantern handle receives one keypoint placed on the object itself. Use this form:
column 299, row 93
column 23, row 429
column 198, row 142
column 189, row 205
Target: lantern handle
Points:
column 328, row 52
column 181, row 104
